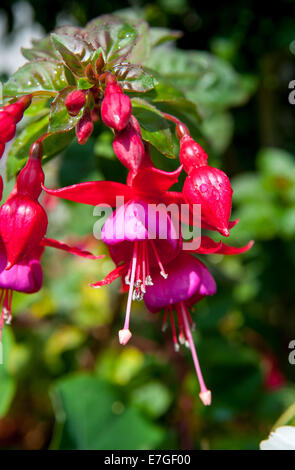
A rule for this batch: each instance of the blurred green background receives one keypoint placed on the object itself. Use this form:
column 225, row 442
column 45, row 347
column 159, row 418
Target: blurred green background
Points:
column 66, row 383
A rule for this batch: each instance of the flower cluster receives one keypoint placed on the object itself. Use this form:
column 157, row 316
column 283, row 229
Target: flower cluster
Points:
column 144, row 240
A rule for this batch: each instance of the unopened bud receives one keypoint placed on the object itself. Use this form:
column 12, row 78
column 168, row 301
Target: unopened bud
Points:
column 116, row 107
column 84, row 127
column 191, row 155
column 7, row 126
column 74, row 102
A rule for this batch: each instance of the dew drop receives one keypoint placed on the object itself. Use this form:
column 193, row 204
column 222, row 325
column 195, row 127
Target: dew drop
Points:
column 203, row 188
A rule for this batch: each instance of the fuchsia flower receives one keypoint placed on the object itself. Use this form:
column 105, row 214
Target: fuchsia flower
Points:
column 133, row 250
column 23, row 221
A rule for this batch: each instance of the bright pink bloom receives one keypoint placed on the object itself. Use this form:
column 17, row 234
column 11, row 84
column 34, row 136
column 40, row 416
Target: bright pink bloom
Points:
column 116, row 106
column 210, row 188
column 132, row 248
column 75, row 101
column 10, row 115
column 191, row 154
column 84, row 127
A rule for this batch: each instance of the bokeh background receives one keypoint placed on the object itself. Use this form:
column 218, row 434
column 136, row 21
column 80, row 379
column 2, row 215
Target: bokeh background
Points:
column 66, row 383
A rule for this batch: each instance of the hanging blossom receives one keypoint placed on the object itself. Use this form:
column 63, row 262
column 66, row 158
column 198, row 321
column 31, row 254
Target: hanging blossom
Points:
column 23, row 225
column 139, row 246
column 143, row 240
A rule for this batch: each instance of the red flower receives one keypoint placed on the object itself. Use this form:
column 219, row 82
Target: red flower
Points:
column 134, row 250
column 23, row 221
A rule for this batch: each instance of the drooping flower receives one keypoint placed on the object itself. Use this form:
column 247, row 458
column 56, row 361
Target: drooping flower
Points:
column 116, row 106
column 23, row 221
column 127, row 231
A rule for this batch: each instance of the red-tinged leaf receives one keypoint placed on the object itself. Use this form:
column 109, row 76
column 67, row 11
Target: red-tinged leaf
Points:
column 112, row 276
column 74, row 250
column 93, row 192
column 153, row 180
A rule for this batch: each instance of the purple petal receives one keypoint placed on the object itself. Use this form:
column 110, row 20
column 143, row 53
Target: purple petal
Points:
column 187, row 276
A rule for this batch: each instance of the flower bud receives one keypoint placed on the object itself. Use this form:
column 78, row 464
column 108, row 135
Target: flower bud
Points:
column 128, row 147
column 7, row 126
column 191, row 155
column 84, row 127
column 17, row 109
column 74, row 102
column 211, row 188
column 116, row 107
column 2, row 148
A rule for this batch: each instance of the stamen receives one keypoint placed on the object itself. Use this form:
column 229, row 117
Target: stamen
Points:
column 164, row 324
column 125, row 334
column 174, row 334
column 162, row 270
column 205, row 394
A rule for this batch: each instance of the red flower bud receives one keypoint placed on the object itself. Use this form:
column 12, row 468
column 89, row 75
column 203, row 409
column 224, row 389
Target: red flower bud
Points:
column 128, row 146
column 2, row 148
column 1, row 187
column 17, row 109
column 116, row 107
column 211, row 188
column 7, row 126
column 23, row 221
column 74, row 102
column 84, row 127
column 191, row 155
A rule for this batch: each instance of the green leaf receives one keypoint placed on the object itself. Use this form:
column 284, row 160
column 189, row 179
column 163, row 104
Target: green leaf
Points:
column 75, row 51
column 162, row 35
column 91, row 415
column 42, row 49
column 59, row 119
column 19, row 150
column 7, row 382
column 134, row 78
column 154, row 127
column 207, row 80
column 39, row 77
column 153, row 398
column 116, row 38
